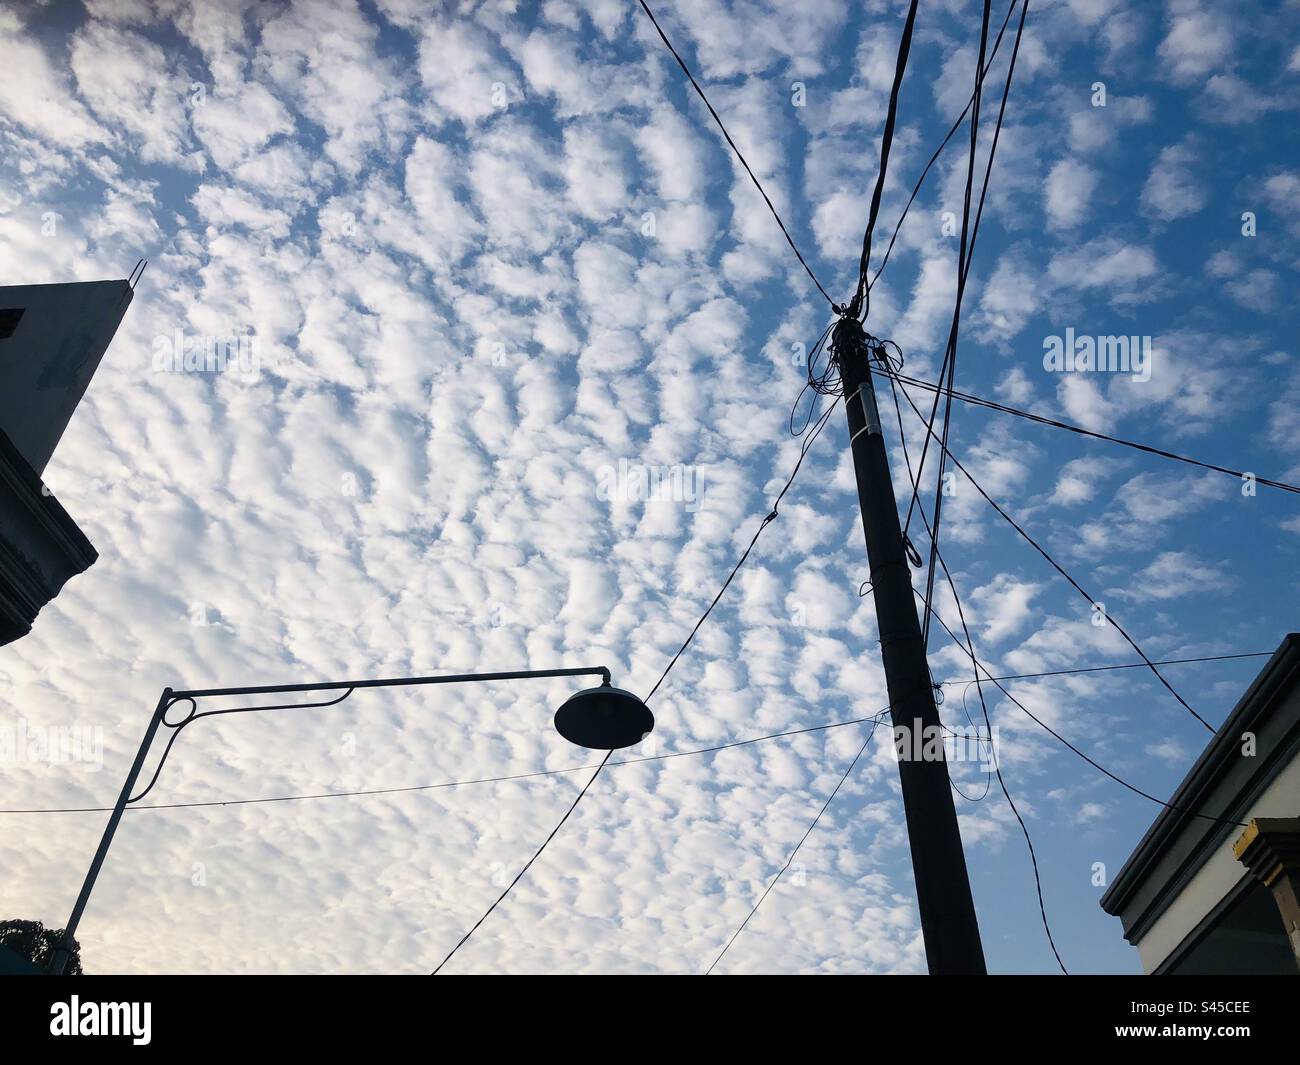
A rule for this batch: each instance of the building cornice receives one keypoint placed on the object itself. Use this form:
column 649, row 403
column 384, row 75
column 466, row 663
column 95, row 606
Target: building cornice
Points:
column 41, row 547
column 1218, row 785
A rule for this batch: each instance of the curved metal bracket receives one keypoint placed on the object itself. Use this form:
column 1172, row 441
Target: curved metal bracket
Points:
column 194, row 715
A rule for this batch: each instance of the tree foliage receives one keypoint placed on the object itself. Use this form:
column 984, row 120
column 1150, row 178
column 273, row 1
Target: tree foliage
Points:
column 35, row 943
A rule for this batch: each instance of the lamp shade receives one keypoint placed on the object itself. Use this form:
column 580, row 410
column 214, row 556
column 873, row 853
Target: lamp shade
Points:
column 604, row 719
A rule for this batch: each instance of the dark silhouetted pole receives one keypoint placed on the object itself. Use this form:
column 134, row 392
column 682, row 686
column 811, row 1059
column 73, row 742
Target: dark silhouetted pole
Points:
column 63, row 952
column 952, row 938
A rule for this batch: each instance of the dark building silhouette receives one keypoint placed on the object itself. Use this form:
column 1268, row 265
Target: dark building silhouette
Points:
column 1200, row 896
column 52, row 338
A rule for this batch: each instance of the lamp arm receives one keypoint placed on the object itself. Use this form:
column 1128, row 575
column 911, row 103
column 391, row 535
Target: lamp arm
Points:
column 394, row 682
column 62, row 953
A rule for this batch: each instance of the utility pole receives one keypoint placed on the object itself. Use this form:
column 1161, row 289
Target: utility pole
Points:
column 948, row 924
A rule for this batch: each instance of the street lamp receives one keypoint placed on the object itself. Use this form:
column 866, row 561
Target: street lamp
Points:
column 604, row 718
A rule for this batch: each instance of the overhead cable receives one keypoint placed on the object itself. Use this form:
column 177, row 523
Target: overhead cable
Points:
column 1060, row 569
column 752, row 176
column 1055, row 423
column 802, row 839
column 856, row 307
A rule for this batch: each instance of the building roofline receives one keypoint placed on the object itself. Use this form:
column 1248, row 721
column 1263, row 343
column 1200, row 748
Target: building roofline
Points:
column 1206, row 772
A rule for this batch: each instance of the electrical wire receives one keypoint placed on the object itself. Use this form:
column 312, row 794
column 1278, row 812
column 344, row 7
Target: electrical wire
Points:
column 965, row 254
column 980, row 742
column 1059, row 568
column 1020, row 676
column 1055, row 423
column 452, row 783
column 968, row 647
column 902, row 435
column 814, row 380
column 857, row 308
column 916, row 189
column 772, row 515
column 528, row 865
column 980, row 667
column 997, row 767
column 752, row 176
column 950, row 353
column 1125, row 665
column 950, row 357
column 829, row 799
column 1006, row 792
column 1056, row 735
column 626, row 761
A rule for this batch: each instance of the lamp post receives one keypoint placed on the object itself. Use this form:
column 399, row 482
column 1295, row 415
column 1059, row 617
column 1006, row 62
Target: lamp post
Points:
column 602, row 718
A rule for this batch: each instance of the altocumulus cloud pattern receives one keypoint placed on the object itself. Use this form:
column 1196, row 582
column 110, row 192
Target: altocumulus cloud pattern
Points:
column 509, row 345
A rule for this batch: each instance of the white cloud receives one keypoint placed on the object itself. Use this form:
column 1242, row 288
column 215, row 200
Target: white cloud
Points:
column 675, row 153
column 1229, row 99
column 1256, row 289
column 38, row 96
column 465, row 73
column 1105, row 262
column 1004, row 606
column 1198, row 41
column 323, row 53
column 1094, row 128
column 224, row 207
column 509, row 173
column 1009, row 298
column 434, row 185
column 232, row 127
column 594, row 172
column 1079, row 480
column 1090, row 12
column 1174, row 574
column 1068, row 193
column 1281, row 192
column 929, row 311
column 132, row 87
column 579, row 84
column 1173, row 189
column 773, row 35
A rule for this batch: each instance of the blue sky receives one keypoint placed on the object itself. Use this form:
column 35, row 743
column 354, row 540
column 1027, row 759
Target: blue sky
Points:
column 485, row 256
